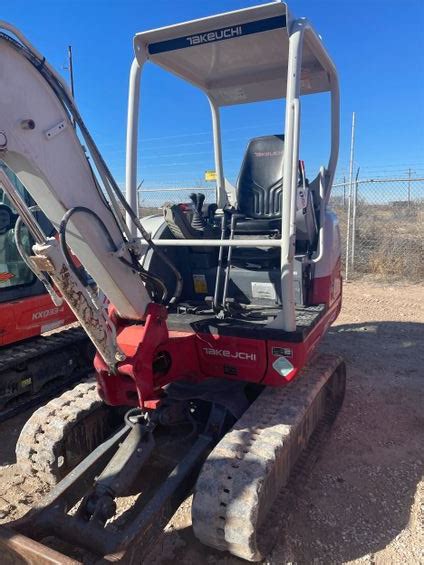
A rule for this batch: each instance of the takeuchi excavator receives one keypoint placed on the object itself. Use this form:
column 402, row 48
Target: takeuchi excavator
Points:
column 208, row 374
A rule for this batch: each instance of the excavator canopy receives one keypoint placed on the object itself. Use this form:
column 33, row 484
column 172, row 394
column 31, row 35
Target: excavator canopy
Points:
column 236, row 57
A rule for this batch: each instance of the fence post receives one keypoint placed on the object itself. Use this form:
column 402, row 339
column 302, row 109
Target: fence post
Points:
column 355, row 202
column 344, row 193
column 349, row 208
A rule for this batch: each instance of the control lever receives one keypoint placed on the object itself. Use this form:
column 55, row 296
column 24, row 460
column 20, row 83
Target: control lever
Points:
column 198, row 221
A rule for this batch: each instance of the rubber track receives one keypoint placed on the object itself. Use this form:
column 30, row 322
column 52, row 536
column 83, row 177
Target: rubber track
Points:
column 243, row 476
column 33, row 351
column 40, row 450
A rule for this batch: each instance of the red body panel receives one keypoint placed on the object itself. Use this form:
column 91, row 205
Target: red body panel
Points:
column 328, row 289
column 195, row 357
column 29, row 317
column 231, row 357
column 298, row 354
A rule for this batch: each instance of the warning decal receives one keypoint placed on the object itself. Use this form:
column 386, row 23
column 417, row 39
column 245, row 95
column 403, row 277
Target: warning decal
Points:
column 200, row 284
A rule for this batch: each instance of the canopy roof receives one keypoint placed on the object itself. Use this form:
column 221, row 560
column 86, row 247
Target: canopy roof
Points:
column 236, row 57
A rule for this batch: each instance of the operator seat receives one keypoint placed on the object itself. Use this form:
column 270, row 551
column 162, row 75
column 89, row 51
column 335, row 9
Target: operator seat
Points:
column 259, row 188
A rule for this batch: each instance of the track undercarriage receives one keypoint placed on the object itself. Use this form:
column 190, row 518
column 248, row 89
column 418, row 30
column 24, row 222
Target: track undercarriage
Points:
column 237, row 457
column 40, row 368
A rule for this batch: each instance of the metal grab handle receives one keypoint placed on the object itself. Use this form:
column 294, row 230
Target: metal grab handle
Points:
column 321, row 217
column 215, row 304
column 229, row 256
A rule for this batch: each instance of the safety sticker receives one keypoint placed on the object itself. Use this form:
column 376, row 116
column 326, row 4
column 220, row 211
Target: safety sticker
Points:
column 264, row 290
column 286, row 351
column 200, row 284
column 25, row 382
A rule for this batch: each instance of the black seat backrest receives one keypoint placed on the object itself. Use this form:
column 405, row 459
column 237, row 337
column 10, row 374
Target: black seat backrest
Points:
column 260, row 180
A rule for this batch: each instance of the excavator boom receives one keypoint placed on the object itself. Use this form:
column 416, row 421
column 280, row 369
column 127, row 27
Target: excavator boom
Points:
column 39, row 144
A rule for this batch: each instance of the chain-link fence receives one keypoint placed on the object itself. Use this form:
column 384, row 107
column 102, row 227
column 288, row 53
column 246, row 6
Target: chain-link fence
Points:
column 381, row 222
column 382, row 227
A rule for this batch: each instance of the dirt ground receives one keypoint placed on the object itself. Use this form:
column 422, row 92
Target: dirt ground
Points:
column 363, row 502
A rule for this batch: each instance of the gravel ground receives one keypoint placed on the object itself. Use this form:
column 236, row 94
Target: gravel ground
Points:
column 363, row 502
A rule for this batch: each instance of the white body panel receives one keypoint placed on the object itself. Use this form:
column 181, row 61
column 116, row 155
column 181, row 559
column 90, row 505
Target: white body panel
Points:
column 331, row 243
column 51, row 164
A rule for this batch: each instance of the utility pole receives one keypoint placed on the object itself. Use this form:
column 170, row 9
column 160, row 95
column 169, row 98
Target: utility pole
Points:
column 71, row 76
column 349, row 208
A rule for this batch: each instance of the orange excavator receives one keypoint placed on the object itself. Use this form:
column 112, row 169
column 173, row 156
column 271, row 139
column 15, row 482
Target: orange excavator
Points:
column 32, row 366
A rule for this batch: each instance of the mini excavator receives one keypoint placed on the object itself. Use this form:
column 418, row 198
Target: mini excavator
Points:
column 208, row 377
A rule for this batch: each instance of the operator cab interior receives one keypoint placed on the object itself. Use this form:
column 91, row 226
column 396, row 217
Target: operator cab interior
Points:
column 241, row 282
column 272, row 281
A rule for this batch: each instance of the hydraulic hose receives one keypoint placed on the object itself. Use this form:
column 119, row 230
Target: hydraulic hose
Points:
column 77, row 272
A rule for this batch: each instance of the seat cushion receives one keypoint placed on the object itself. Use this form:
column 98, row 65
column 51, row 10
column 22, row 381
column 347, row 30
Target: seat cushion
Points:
column 255, row 226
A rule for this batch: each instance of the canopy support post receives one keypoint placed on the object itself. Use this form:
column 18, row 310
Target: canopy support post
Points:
column 132, row 142
column 221, row 195
column 287, row 321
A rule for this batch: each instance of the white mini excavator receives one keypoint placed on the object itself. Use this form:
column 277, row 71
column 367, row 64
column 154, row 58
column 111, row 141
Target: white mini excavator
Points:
column 208, row 377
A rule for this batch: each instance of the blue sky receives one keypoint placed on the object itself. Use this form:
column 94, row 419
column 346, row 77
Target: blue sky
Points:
column 378, row 48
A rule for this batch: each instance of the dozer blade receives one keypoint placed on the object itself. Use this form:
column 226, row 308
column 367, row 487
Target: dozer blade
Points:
column 21, row 550
column 243, row 476
column 164, row 487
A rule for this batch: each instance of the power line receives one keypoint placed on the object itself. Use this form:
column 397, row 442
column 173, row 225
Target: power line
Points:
column 384, row 168
column 195, row 134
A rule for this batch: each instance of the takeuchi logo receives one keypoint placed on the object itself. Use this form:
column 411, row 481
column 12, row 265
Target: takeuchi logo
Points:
column 230, row 354
column 207, row 37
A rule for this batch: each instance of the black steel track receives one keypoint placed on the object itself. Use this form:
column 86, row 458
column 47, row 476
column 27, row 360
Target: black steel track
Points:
column 39, row 368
